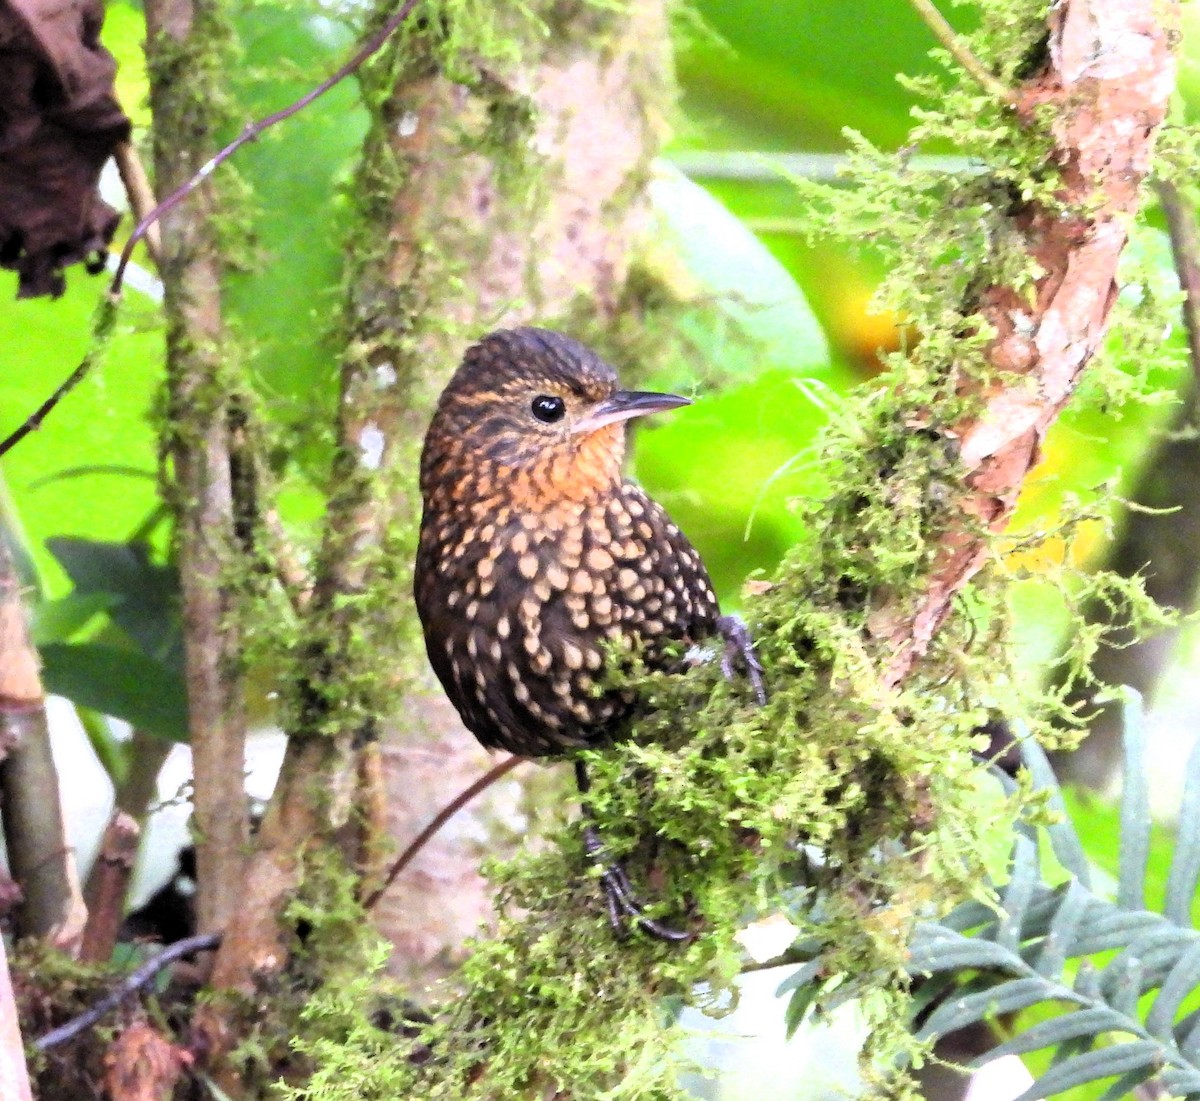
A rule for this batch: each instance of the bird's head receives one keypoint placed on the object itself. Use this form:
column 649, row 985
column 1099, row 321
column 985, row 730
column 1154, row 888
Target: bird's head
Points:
column 538, row 410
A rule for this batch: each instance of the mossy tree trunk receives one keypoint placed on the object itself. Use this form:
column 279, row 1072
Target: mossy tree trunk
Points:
column 502, row 182
column 525, row 195
column 186, row 48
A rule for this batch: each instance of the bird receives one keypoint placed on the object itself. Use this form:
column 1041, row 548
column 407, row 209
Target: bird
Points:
column 538, row 560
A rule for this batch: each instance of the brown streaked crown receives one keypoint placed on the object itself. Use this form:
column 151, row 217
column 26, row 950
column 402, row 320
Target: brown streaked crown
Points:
column 484, row 418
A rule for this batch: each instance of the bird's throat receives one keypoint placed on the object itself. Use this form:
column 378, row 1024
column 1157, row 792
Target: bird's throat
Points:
column 581, row 470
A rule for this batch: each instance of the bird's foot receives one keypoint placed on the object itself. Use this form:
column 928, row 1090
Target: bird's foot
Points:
column 623, row 904
column 739, row 646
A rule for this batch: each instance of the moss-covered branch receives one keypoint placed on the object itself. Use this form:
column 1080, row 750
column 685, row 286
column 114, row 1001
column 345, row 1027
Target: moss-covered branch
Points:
column 1101, row 97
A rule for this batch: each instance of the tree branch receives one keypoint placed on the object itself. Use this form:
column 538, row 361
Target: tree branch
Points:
column 35, row 835
column 107, row 885
column 199, row 446
column 439, row 820
column 140, row 194
column 1110, row 74
column 128, row 986
column 958, row 50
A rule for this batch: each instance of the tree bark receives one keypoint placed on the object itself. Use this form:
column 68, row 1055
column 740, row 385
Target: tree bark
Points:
column 1110, row 74
column 41, row 860
column 182, row 38
column 599, row 122
column 467, row 250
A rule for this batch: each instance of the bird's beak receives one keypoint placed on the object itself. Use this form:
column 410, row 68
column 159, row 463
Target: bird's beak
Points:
column 626, row 404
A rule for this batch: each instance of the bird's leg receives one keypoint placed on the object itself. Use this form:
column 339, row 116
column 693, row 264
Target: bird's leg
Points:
column 739, row 645
column 618, row 891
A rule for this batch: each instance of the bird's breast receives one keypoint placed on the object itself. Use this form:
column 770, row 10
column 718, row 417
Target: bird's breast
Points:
column 522, row 609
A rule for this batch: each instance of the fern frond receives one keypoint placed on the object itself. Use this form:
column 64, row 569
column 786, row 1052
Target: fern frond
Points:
column 1099, row 959
column 1125, row 978
column 1185, row 863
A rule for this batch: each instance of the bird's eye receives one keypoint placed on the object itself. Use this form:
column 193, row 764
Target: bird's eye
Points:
column 548, row 408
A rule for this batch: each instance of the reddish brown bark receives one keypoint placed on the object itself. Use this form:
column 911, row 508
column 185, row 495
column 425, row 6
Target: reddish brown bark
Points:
column 1110, row 74
column 142, row 1065
column 107, row 885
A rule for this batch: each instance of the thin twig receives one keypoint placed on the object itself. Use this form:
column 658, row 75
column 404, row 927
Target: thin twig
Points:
column 132, row 982
column 107, row 886
column 254, row 129
column 1185, row 248
column 139, row 192
column 34, row 422
column 439, row 820
column 958, row 50
column 293, row 578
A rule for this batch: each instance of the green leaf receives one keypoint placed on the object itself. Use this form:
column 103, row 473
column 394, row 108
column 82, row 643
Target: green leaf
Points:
column 145, row 595
column 802, row 976
column 105, row 421
column 1185, row 862
column 935, row 948
column 1127, row 1083
column 123, row 683
column 1063, row 838
column 1188, row 1035
column 1183, row 978
column 1115, row 929
column 796, row 72
column 1060, row 940
column 58, row 620
column 290, row 295
column 1005, row 997
column 805, row 989
column 1022, row 882
column 1181, row 1081
column 709, row 257
column 1122, row 983
column 1057, row 1030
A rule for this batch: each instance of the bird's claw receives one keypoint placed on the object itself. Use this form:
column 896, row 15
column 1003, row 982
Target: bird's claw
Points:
column 619, row 896
column 739, row 645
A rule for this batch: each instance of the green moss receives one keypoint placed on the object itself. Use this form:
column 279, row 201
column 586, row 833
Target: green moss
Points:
column 848, row 806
